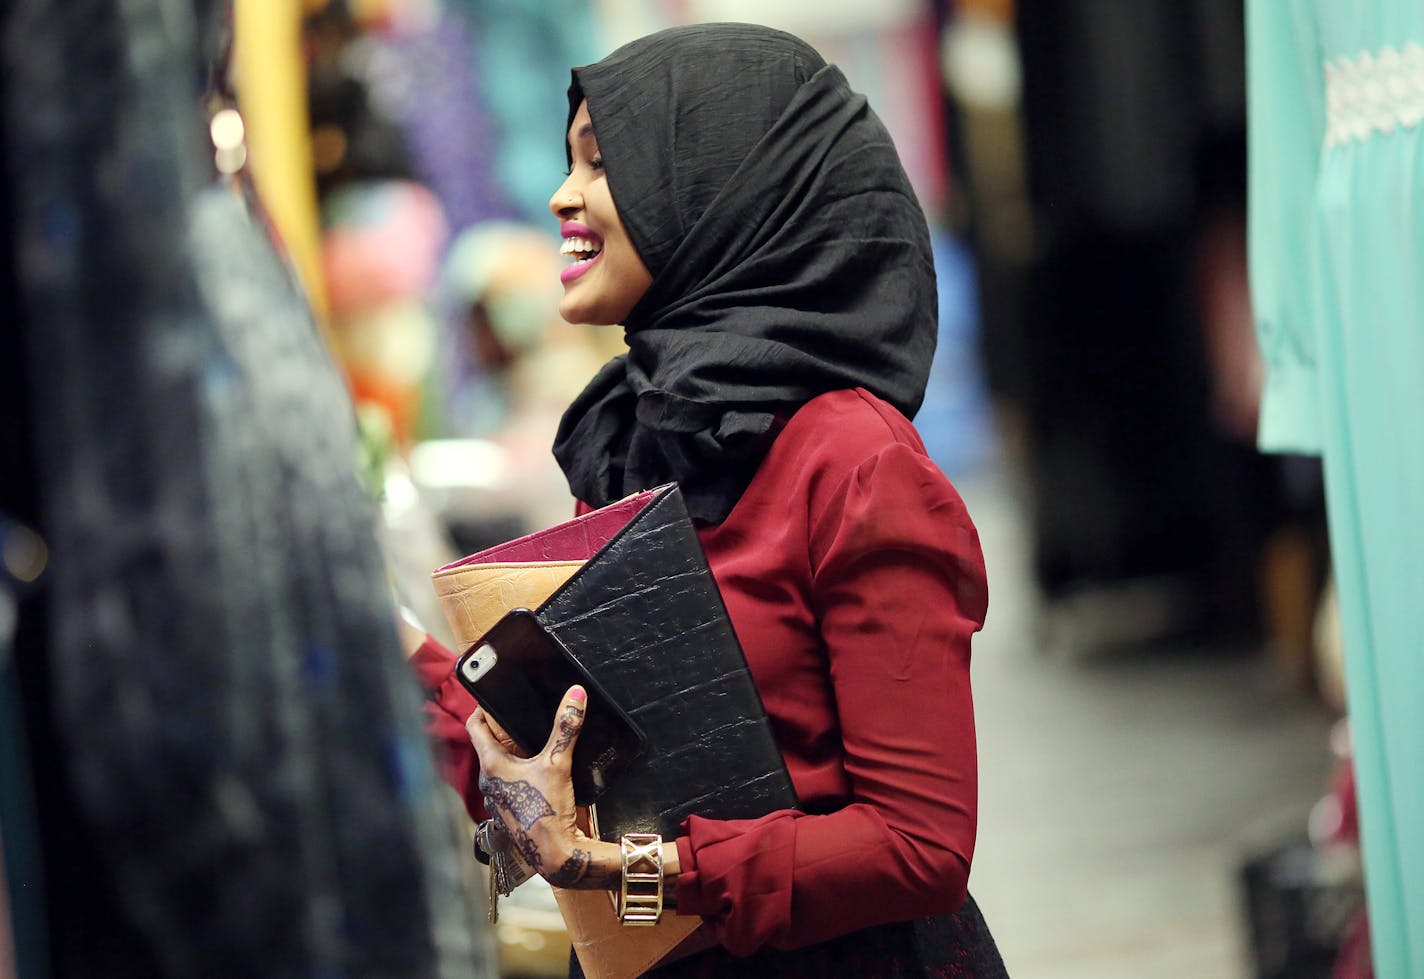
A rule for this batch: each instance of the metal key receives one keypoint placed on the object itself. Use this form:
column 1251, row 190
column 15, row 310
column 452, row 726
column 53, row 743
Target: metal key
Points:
column 493, row 895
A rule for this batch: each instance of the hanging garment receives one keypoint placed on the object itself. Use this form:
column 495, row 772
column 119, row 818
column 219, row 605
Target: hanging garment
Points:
column 229, row 766
column 1337, row 264
column 22, row 931
column 1129, row 480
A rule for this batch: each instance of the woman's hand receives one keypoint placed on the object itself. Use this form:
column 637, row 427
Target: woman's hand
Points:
column 533, row 801
column 502, row 736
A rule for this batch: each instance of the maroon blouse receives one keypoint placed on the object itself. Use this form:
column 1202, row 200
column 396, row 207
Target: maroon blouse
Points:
column 853, row 576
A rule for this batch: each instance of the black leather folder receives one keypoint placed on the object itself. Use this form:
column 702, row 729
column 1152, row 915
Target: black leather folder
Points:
column 645, row 617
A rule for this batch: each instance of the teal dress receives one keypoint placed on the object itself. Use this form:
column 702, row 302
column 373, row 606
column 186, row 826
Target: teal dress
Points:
column 1337, row 279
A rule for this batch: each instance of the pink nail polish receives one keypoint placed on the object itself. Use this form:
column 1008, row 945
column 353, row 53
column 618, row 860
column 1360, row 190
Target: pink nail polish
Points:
column 577, row 693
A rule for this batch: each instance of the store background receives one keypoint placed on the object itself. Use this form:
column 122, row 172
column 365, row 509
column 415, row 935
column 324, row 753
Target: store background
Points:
column 1157, row 687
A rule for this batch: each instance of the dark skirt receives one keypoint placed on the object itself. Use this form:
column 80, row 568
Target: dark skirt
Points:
column 947, row 946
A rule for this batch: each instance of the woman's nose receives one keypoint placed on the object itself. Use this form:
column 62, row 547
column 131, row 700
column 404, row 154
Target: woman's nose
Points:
column 565, row 203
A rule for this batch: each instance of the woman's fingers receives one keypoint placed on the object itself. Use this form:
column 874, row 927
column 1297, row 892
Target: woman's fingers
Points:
column 487, row 745
column 497, row 733
column 503, row 737
column 531, row 799
column 567, row 724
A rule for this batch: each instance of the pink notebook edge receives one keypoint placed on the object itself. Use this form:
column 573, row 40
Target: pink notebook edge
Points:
column 598, row 525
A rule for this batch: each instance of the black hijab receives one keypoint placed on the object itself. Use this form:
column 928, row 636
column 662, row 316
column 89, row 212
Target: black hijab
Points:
column 788, row 253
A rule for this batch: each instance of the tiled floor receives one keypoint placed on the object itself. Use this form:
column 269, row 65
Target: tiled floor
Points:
column 1119, row 792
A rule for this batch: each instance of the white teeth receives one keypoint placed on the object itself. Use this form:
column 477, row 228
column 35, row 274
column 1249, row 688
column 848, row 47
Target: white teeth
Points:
column 582, row 248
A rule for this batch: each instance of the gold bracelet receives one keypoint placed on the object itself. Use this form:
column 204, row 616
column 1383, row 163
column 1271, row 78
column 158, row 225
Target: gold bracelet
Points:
column 640, row 896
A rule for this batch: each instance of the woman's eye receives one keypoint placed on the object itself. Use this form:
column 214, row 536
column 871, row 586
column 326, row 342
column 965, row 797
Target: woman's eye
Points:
column 594, row 164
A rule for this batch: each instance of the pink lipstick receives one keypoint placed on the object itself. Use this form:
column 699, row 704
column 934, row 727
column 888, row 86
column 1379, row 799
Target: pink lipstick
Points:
column 581, row 244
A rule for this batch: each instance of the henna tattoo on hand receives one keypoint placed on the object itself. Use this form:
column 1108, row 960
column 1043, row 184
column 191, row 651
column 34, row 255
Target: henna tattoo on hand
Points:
column 520, row 799
column 579, row 871
column 572, row 870
column 568, row 730
column 527, row 805
column 528, row 849
column 494, row 817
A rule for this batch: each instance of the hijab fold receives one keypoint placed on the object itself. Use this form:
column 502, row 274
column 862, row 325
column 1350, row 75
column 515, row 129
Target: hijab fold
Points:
column 788, row 253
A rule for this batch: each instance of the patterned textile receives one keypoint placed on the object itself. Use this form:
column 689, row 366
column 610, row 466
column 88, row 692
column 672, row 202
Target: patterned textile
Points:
column 229, row 765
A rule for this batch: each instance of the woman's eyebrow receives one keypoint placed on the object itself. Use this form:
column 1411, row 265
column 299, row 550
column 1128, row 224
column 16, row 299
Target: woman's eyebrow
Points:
column 585, row 130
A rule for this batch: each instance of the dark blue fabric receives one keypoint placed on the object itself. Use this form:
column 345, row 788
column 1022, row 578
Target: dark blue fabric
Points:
column 21, row 873
column 235, row 777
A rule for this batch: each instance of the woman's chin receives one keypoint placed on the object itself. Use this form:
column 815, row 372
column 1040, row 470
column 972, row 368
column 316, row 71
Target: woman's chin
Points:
column 575, row 312
column 570, row 308
column 578, row 310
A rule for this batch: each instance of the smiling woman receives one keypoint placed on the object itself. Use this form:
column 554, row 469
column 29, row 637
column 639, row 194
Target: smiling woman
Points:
column 607, row 277
column 743, row 214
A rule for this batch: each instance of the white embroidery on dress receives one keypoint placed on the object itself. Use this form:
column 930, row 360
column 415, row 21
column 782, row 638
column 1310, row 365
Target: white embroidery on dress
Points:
column 1373, row 93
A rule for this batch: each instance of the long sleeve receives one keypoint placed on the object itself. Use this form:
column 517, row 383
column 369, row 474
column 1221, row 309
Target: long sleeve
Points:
column 1285, row 101
column 447, row 706
column 898, row 588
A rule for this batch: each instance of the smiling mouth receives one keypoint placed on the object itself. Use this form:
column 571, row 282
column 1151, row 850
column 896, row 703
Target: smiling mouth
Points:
column 581, row 250
column 584, row 251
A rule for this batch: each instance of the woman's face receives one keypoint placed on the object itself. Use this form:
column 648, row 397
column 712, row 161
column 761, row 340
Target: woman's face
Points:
column 606, row 277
